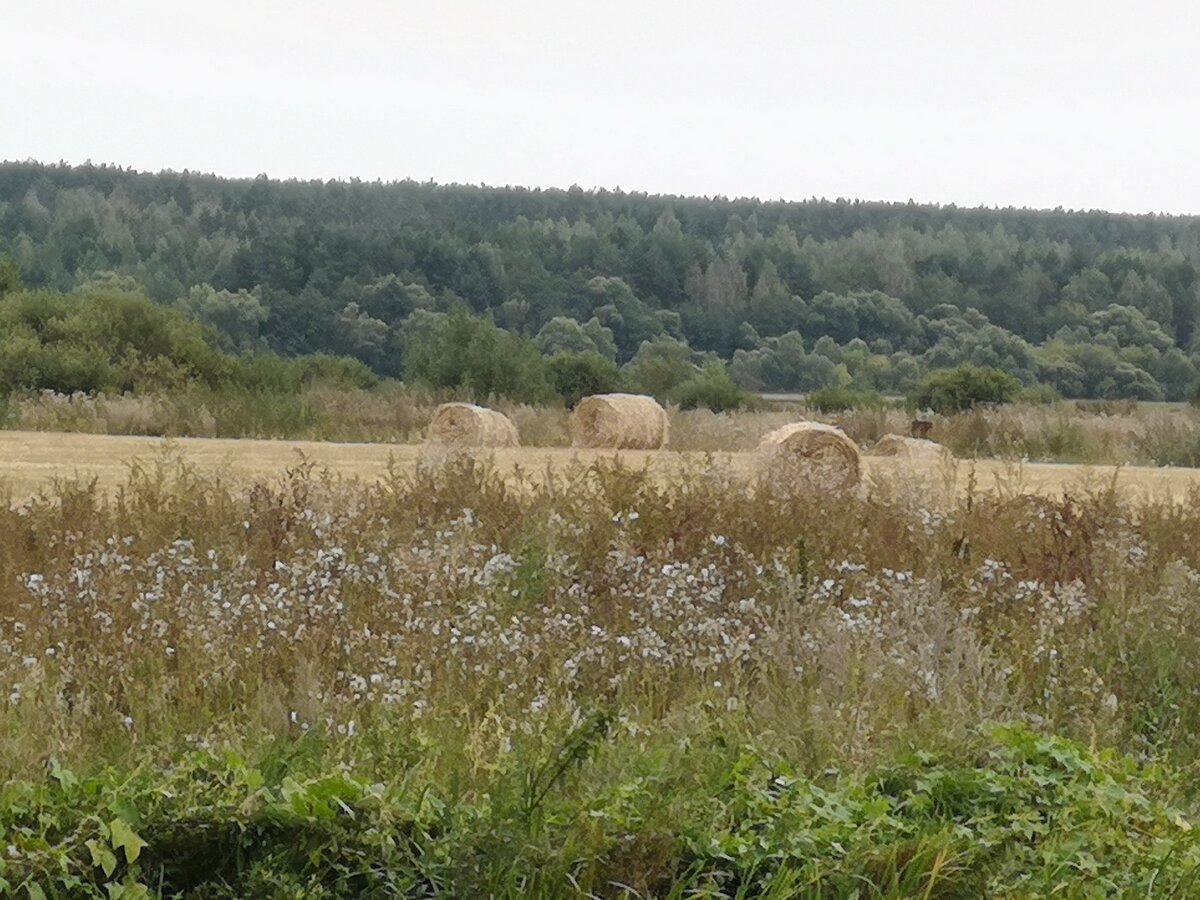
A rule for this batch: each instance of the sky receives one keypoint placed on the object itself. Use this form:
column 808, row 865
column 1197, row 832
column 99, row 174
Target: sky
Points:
column 1083, row 105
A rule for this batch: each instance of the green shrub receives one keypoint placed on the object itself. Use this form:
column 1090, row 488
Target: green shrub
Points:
column 265, row 372
column 105, row 341
column 841, row 399
column 470, row 354
column 954, row 390
column 337, row 371
column 1039, row 395
column 713, row 389
column 579, row 375
column 121, row 343
column 660, row 367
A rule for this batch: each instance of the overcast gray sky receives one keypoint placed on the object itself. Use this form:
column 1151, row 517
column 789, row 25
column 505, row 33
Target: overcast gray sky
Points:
column 1015, row 102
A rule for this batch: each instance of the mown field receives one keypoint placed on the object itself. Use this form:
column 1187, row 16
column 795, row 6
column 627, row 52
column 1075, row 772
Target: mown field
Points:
column 233, row 669
column 30, row 461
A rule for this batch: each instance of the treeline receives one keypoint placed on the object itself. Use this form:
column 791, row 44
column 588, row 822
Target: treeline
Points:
column 788, row 296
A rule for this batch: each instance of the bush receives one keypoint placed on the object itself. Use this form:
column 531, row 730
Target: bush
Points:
column 713, row 389
column 337, row 371
column 1039, row 395
column 579, row 375
column 110, row 341
column 471, row 354
column 967, row 386
column 840, row 399
column 120, row 343
column 660, row 367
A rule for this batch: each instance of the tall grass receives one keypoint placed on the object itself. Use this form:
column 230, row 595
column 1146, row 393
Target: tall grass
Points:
column 602, row 682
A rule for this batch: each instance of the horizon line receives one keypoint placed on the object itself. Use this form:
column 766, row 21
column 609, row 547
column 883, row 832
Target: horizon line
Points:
column 596, row 190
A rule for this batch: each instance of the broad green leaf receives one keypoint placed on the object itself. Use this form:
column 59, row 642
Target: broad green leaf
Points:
column 102, row 856
column 125, row 837
column 130, row 890
column 294, row 793
column 64, row 777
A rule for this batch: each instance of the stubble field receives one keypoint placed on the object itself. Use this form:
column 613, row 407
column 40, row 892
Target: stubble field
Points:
column 32, row 460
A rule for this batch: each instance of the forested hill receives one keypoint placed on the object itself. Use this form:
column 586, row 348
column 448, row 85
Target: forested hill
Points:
column 792, row 295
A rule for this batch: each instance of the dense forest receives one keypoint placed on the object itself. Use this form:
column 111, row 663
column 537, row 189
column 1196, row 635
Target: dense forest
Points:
column 774, row 295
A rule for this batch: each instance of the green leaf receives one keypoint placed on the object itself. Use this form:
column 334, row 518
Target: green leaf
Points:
column 125, row 837
column 102, row 856
column 253, row 779
column 123, row 808
column 130, row 890
column 65, row 777
column 294, row 795
column 35, row 891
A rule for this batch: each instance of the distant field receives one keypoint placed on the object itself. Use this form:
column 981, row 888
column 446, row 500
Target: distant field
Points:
column 31, row 460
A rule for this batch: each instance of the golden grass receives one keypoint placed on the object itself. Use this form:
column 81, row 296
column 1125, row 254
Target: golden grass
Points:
column 29, row 461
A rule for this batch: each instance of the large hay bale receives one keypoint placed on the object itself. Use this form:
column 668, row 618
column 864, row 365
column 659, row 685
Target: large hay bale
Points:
column 622, row 421
column 468, row 425
column 902, row 447
column 810, row 452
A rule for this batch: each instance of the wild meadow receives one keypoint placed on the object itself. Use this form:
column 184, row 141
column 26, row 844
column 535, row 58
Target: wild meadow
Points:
column 451, row 682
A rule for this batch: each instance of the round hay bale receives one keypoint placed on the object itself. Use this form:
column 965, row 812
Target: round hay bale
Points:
column 621, row 421
column 903, row 447
column 811, row 452
column 468, row 425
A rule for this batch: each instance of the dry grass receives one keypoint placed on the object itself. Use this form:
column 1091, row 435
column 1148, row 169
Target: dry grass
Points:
column 1111, row 434
column 1106, row 434
column 708, row 432
column 32, row 461
column 180, row 603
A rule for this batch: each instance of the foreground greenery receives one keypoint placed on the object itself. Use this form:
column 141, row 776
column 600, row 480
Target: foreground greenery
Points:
column 699, row 814
column 788, row 296
column 469, row 682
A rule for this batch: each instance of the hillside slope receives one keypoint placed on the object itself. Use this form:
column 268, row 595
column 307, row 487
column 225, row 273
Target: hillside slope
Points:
column 793, row 295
